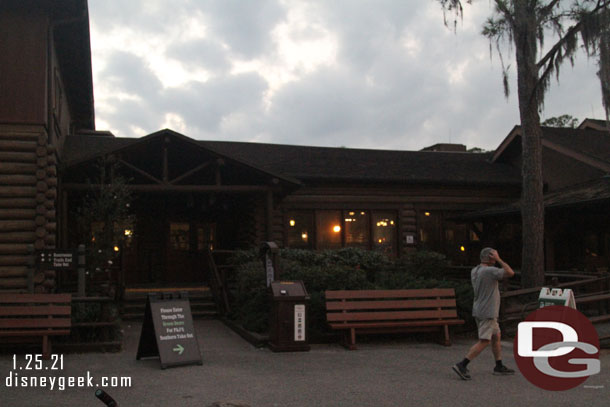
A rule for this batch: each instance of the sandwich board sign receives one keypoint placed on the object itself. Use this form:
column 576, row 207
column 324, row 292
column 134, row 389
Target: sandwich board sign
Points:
column 168, row 332
column 556, row 296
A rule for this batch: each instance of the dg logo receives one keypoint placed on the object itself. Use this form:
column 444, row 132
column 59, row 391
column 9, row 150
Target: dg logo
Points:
column 557, row 348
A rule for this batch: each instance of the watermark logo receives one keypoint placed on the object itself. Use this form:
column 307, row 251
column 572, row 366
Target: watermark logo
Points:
column 557, row 348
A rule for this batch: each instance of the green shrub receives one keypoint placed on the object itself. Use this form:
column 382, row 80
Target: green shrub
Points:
column 343, row 269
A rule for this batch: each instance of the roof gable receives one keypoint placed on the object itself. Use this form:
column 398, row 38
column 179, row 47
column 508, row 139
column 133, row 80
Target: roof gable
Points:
column 168, row 157
column 591, row 147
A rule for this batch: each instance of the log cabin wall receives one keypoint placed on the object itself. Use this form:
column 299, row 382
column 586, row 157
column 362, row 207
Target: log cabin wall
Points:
column 28, row 195
column 35, row 118
column 23, row 68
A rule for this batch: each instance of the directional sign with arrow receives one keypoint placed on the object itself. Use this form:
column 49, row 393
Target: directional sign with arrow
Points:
column 168, row 332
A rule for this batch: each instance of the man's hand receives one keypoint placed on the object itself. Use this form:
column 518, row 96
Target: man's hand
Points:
column 495, row 256
column 508, row 271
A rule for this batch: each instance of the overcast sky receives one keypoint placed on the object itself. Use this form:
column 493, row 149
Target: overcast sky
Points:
column 354, row 73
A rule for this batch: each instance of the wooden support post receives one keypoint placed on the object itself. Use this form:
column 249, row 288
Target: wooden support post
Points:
column 269, row 215
column 165, row 161
column 81, row 270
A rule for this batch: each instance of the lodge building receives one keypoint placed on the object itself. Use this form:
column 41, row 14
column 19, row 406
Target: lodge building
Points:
column 192, row 196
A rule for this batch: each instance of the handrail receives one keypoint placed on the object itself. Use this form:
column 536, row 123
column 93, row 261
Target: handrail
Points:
column 218, row 287
column 524, row 291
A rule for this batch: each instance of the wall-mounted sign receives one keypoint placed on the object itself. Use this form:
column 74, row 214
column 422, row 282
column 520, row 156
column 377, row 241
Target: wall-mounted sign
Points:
column 168, row 332
column 56, row 259
column 410, row 239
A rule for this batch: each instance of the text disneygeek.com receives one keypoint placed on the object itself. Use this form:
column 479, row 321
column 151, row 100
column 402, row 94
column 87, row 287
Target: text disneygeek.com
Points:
column 24, row 369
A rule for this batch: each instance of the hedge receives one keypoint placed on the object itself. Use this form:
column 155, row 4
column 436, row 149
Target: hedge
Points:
column 343, row 269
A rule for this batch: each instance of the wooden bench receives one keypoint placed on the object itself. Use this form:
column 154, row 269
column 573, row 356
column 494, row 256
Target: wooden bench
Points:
column 35, row 315
column 386, row 311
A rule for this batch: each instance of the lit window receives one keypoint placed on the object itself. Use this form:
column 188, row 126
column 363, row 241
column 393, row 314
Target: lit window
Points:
column 299, row 230
column 384, row 232
column 357, row 229
column 179, row 236
column 328, row 228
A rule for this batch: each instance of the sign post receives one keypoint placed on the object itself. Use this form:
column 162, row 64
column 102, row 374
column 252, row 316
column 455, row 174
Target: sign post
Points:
column 269, row 252
column 168, row 332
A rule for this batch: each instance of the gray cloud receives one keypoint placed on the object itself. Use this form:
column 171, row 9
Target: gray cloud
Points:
column 244, row 25
column 401, row 80
column 126, row 72
column 200, row 53
column 204, row 105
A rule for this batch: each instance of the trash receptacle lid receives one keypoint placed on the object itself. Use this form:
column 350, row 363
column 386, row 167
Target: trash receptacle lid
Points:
column 288, row 289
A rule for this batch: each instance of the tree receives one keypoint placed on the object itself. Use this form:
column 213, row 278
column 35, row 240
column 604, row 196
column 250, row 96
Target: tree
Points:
column 604, row 64
column 104, row 217
column 524, row 25
column 565, row 120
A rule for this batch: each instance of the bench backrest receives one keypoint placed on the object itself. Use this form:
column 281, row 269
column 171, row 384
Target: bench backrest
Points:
column 22, row 313
column 390, row 305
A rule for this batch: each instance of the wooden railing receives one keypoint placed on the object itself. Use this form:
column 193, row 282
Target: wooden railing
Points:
column 218, row 284
column 592, row 293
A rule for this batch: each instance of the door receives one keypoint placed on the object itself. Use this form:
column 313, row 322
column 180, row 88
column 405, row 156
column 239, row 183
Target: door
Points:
column 187, row 243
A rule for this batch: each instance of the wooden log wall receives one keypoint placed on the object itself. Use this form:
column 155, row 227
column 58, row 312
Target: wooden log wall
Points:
column 28, row 195
column 407, row 223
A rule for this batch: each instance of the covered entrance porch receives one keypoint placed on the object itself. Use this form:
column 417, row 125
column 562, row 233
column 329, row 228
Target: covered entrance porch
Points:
column 185, row 202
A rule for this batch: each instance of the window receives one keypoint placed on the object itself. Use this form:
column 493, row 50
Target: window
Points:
column 299, row 230
column 384, row 232
column 357, row 226
column 333, row 229
column 179, row 236
column 430, row 230
column 205, row 237
column 328, row 229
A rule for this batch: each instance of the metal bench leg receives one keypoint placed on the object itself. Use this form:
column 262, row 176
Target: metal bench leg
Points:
column 352, row 339
column 349, row 339
column 447, row 341
column 46, row 348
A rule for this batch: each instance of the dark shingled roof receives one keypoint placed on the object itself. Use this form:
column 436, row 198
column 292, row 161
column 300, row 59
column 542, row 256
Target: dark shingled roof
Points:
column 595, row 124
column 84, row 147
column 589, row 142
column 328, row 164
column 347, row 164
column 590, row 192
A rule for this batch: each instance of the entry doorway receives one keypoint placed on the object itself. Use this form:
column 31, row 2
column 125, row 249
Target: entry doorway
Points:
column 168, row 251
column 187, row 250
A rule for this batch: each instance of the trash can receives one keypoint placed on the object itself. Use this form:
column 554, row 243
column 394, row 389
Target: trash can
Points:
column 288, row 327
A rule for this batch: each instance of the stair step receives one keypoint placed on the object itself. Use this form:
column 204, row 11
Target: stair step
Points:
column 202, row 302
column 142, row 298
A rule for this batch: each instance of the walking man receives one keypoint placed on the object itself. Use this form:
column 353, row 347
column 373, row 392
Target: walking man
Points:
column 485, row 310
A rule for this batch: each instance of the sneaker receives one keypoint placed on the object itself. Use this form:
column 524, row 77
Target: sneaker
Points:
column 461, row 371
column 503, row 371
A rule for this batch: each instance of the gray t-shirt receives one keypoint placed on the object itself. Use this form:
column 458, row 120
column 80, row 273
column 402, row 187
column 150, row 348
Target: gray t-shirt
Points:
column 486, row 293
